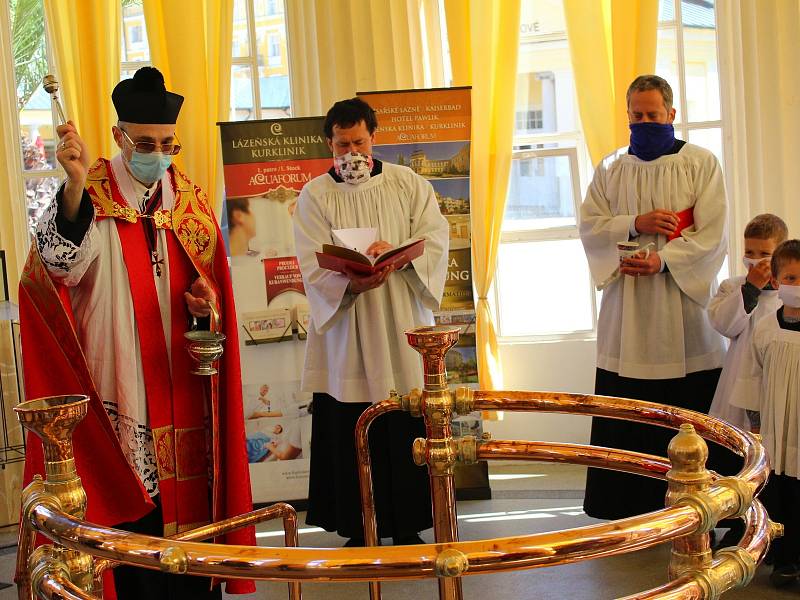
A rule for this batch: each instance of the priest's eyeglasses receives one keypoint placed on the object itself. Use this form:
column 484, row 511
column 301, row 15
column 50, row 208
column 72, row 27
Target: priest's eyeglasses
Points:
column 150, row 147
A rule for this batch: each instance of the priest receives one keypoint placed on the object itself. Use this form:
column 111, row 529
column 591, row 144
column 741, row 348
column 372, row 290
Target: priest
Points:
column 356, row 351
column 127, row 253
column 654, row 340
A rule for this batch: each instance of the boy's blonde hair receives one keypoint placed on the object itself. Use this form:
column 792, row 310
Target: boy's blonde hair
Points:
column 767, row 227
column 788, row 251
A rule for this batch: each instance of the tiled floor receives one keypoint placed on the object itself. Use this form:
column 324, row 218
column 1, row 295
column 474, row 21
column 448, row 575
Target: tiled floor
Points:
column 527, row 498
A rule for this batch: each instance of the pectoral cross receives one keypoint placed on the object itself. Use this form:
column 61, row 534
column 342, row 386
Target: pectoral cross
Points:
column 156, row 261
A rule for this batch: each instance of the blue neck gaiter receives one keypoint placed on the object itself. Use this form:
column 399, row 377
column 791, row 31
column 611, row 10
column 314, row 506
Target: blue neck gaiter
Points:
column 651, row 140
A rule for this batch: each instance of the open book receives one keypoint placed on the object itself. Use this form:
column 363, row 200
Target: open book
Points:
column 350, row 253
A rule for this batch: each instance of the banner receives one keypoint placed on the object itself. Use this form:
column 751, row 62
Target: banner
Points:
column 429, row 131
column 266, row 164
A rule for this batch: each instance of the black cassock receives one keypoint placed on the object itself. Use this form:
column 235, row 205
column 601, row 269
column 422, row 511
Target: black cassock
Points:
column 616, row 495
column 401, row 488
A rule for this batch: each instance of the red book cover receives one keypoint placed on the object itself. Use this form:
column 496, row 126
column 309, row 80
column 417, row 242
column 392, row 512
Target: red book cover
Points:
column 685, row 219
column 336, row 258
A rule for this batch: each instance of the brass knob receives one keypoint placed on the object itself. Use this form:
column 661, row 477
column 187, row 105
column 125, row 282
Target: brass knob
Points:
column 420, row 451
column 174, row 560
column 451, row 563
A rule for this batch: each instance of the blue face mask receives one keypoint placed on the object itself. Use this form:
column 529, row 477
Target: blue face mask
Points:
column 651, row 140
column 149, row 168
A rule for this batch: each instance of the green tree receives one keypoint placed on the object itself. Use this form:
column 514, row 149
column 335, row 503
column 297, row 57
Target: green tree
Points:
column 30, row 57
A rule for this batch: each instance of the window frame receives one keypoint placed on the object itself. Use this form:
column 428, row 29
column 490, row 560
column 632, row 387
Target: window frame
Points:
column 549, row 234
column 251, row 60
column 684, row 126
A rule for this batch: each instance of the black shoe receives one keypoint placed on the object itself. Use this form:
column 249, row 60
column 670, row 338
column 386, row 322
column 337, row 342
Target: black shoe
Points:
column 407, row 540
column 784, row 575
column 355, row 542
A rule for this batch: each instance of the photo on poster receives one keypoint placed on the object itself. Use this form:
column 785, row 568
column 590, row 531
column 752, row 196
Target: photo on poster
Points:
column 274, row 399
column 431, row 160
column 470, row 424
column 460, row 232
column 276, row 438
column 272, row 325
column 464, row 319
column 452, row 195
column 260, row 227
column 461, row 363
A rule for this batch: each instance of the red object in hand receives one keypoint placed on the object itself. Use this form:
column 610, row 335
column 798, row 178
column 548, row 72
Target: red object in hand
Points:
column 685, row 219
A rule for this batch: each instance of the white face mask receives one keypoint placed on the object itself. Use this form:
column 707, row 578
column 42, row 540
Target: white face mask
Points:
column 790, row 295
column 749, row 263
column 353, row 167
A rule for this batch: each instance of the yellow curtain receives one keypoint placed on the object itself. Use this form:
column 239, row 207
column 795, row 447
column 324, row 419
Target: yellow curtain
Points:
column 85, row 39
column 340, row 47
column 485, row 56
column 457, row 15
column 611, row 42
column 190, row 43
column 13, row 218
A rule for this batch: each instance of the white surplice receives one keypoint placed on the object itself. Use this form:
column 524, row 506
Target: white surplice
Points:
column 100, row 294
column 656, row 327
column 770, row 383
column 356, row 350
column 727, row 315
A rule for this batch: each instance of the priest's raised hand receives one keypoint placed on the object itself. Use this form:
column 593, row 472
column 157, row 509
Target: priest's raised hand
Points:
column 73, row 155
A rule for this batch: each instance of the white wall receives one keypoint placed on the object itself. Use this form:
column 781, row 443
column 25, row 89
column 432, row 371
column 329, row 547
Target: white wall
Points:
column 563, row 366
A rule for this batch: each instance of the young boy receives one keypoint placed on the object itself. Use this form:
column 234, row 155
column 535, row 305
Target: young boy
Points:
column 740, row 303
column 769, row 389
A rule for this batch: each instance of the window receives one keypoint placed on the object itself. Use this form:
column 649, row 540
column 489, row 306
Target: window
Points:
column 135, row 48
column 274, row 50
column 40, row 169
column 539, row 233
column 687, row 58
column 550, row 164
column 260, row 69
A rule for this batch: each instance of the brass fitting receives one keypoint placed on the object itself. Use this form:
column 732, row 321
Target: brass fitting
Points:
column 705, row 506
column 775, row 530
column 35, row 494
column 451, row 563
column 439, row 455
column 412, row 402
column 174, row 560
column 45, row 560
column 744, row 493
column 733, row 568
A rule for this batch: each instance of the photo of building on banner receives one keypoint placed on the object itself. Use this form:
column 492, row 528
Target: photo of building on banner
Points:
column 266, row 164
column 429, row 132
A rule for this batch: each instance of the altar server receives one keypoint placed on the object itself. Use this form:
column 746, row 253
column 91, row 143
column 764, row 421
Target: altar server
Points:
column 356, row 351
column 654, row 341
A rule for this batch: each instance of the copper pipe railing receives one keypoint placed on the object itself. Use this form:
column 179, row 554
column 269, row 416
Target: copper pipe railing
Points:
column 576, row 454
column 279, row 510
column 365, row 478
column 697, row 502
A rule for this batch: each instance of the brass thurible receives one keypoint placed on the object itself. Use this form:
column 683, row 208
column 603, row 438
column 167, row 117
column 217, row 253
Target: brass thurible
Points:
column 687, row 480
column 54, row 420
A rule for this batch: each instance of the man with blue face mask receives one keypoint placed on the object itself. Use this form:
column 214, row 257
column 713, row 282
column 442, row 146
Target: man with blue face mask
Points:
column 654, row 339
column 125, row 255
